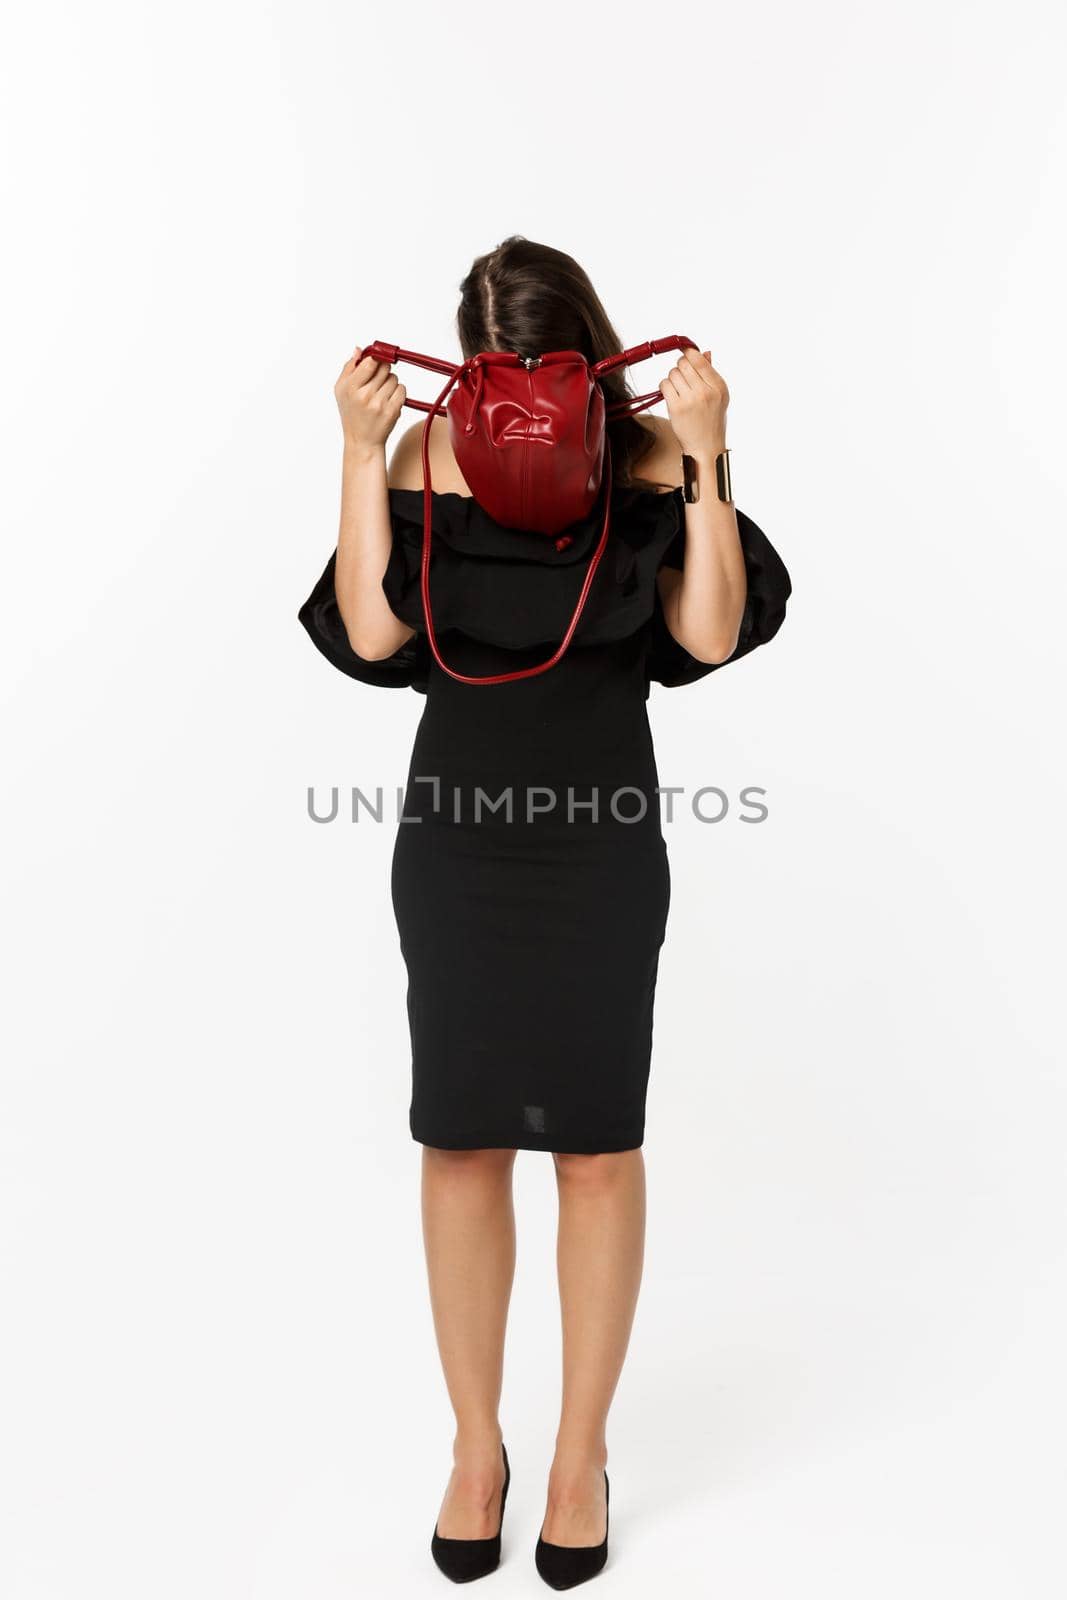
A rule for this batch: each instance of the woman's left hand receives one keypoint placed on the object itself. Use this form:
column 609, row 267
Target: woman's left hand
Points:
column 697, row 398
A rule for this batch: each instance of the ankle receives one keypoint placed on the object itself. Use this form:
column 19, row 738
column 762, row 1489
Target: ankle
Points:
column 581, row 1448
column 474, row 1442
column 577, row 1456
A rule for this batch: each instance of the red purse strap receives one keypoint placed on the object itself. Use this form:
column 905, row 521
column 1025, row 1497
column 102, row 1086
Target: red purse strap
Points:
column 630, row 358
column 391, row 353
column 435, row 410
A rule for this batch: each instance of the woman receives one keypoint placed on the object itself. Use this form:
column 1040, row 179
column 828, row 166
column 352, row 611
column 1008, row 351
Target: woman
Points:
column 531, row 931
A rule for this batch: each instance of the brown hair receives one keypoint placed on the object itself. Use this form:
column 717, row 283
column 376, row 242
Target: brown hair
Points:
column 530, row 298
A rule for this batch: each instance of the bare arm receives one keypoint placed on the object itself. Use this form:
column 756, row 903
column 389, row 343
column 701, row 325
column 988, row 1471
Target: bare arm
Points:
column 369, row 399
column 703, row 606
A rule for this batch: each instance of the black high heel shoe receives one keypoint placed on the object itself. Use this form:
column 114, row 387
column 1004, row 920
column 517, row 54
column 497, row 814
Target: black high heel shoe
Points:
column 465, row 1559
column 562, row 1565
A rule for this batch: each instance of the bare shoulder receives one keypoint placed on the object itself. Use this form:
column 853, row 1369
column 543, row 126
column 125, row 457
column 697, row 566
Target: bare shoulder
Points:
column 661, row 466
column 405, row 464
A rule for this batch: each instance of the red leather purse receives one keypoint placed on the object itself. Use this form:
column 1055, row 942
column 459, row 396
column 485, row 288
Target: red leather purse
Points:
column 529, row 435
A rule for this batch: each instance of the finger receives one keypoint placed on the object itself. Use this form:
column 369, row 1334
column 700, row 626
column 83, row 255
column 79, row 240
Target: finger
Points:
column 366, row 368
column 349, row 365
column 687, row 375
column 380, row 375
column 711, row 369
column 699, row 365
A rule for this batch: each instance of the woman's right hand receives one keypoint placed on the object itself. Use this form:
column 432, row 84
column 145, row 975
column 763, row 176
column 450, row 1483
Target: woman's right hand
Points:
column 370, row 400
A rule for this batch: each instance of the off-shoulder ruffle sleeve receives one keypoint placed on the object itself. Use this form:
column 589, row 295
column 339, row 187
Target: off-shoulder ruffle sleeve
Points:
column 516, row 589
column 406, row 668
column 769, row 588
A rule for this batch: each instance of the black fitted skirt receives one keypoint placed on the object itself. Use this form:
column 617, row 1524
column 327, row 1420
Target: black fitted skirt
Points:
column 531, row 888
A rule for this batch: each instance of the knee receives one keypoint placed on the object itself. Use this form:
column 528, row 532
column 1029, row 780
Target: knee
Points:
column 468, row 1166
column 593, row 1174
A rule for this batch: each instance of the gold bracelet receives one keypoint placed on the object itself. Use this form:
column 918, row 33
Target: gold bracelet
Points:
column 691, row 483
column 722, row 476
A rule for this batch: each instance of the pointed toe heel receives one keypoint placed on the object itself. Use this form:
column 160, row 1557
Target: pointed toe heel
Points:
column 563, row 1566
column 463, row 1560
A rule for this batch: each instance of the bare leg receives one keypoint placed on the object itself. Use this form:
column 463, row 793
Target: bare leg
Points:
column 468, row 1224
column 600, row 1255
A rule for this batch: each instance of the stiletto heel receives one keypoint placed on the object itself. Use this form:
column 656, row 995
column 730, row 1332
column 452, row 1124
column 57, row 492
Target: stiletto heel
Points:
column 465, row 1559
column 562, row 1566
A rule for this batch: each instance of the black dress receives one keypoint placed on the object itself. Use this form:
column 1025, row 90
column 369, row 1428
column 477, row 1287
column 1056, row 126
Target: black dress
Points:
column 530, row 876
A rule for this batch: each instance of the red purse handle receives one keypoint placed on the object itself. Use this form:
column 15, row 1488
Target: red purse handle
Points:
column 391, row 353
column 630, row 358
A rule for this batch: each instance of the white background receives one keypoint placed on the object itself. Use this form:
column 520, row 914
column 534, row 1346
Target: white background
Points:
column 217, row 1361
